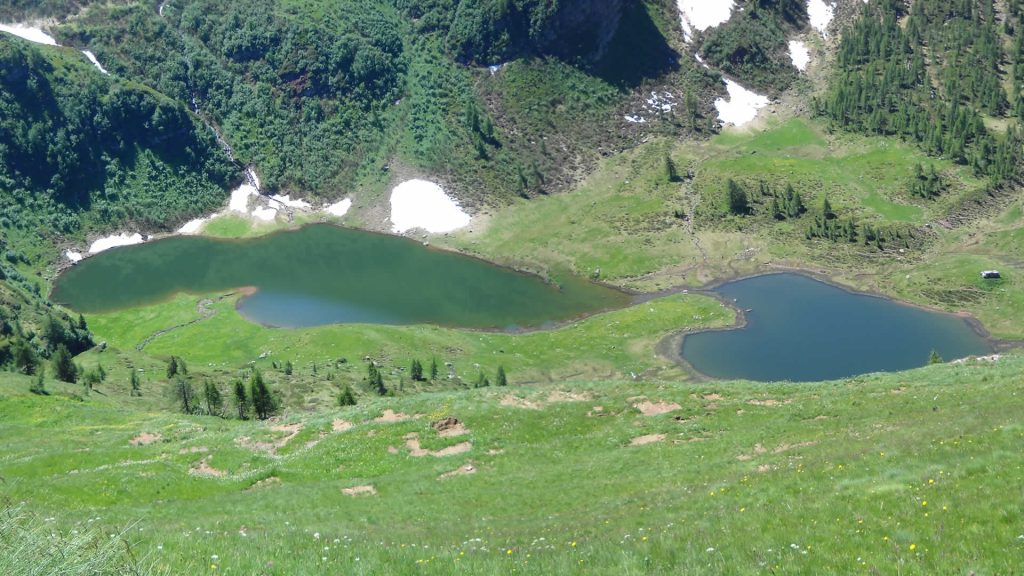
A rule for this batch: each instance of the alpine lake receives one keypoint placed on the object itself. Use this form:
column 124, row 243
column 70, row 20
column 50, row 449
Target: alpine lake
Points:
column 323, row 274
column 794, row 327
column 800, row 329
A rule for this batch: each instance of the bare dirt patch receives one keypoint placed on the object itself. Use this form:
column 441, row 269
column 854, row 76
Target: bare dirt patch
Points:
column 597, row 411
column 412, row 442
column 648, row 408
column 647, row 439
column 764, row 468
column 367, row 490
column 340, row 425
column 203, row 468
column 449, row 427
column 390, row 417
column 518, row 402
column 712, row 397
column 194, row 450
column 271, row 447
column 144, row 439
column 460, row 471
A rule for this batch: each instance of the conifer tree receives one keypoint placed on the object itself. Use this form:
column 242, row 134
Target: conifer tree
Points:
column 184, row 394
column 738, row 203
column 670, row 169
column 63, row 365
column 433, row 368
column 347, row 397
column 214, row 401
column 376, row 380
column 416, row 373
column 241, row 400
column 934, row 357
column 263, row 403
column 501, row 379
column 136, row 385
column 25, row 359
column 38, row 385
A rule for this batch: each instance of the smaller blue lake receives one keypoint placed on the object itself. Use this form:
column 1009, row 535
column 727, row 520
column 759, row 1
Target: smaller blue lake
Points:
column 803, row 330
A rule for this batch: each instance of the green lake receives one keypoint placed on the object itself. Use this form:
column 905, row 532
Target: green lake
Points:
column 800, row 329
column 323, row 274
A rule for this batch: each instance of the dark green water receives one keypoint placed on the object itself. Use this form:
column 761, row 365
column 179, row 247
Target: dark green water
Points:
column 323, row 274
column 800, row 329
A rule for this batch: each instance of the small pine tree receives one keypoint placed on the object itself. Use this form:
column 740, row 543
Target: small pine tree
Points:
column 136, row 385
column 738, row 203
column 214, row 400
column 25, row 359
column 670, row 169
column 241, row 400
column 184, row 394
column 934, row 358
column 433, row 368
column 64, row 366
column 347, row 397
column 38, row 385
column 263, row 402
column 501, row 379
column 482, row 381
column 101, row 373
column 288, row 368
column 416, row 373
column 826, row 209
column 81, row 323
column 376, row 380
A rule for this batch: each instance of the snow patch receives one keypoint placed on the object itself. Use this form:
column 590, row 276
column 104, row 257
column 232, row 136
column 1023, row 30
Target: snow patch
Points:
column 74, row 257
column 821, row 14
column 663, row 102
column 799, row 54
column 422, row 204
column 635, row 119
column 95, row 62
column 193, row 226
column 742, row 105
column 122, row 239
column 265, row 214
column 240, row 198
column 288, row 202
column 339, row 208
column 703, row 14
column 30, row 33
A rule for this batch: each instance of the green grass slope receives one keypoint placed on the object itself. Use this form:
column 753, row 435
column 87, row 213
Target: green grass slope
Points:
column 911, row 473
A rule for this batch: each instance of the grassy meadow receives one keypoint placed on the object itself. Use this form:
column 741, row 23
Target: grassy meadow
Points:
column 910, row 472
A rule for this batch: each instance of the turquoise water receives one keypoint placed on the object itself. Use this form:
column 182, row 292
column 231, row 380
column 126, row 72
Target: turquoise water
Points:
column 324, row 274
column 800, row 329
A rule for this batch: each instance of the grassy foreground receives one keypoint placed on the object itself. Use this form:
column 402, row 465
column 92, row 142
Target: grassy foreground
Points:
column 911, row 473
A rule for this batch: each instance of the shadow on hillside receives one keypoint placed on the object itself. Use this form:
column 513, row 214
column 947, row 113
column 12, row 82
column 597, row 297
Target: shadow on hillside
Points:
column 637, row 52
